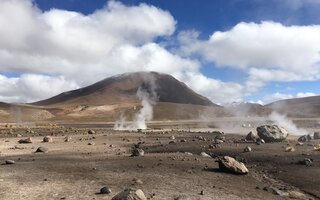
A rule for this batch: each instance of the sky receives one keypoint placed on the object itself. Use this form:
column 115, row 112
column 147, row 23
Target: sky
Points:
column 227, row 50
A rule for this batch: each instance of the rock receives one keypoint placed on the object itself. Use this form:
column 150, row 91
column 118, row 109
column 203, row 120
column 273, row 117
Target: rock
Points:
column 172, row 142
column 183, row 140
column 305, row 138
column 19, row 135
column 220, row 137
column 137, row 152
column 274, row 190
column 130, row 194
column 205, row 155
column 260, row 141
column 25, row 141
column 42, row 150
column 290, row 149
column 272, row 133
column 316, row 135
column 251, row 136
column 230, row 164
column 91, row 131
column 299, row 144
column 91, row 143
column 297, row 195
column 67, row 139
column 172, row 137
column 188, row 154
column 182, row 197
column 47, row 139
column 137, row 181
column 10, row 162
column 105, row 190
column 247, row 149
column 306, row 161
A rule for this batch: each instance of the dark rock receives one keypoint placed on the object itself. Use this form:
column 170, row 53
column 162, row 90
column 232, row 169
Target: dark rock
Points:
column 10, row 162
column 260, row 141
column 47, row 139
column 25, row 141
column 91, row 131
column 306, row 161
column 251, row 136
column 274, row 190
column 305, row 138
column 42, row 150
column 272, row 133
column 247, row 149
column 316, row 135
column 105, row 190
column 137, row 152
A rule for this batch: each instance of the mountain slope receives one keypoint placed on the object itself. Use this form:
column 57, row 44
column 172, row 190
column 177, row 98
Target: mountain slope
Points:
column 299, row 107
column 123, row 89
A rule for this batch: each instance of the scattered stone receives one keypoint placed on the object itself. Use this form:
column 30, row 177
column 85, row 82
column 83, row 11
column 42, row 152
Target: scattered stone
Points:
column 91, row 131
column 188, row 154
column 172, row 137
column 247, row 149
column 67, row 139
column 251, row 136
column 305, row 138
column 316, row 135
column 297, row 195
column 290, row 149
column 19, row 135
column 42, row 150
column 137, row 152
column 260, row 141
column 183, row 140
column 299, row 144
column 230, row 164
column 201, row 192
column 91, row 143
column 182, row 197
column 172, row 142
column 317, row 148
column 47, row 139
column 205, row 155
column 220, row 137
column 306, row 161
column 274, row 191
column 137, row 181
column 272, row 133
column 105, row 190
column 10, row 162
column 25, row 141
column 130, row 194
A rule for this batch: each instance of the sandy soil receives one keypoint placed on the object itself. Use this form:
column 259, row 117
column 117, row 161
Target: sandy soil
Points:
column 76, row 170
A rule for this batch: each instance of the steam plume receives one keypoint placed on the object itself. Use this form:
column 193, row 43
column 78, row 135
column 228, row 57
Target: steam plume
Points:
column 286, row 123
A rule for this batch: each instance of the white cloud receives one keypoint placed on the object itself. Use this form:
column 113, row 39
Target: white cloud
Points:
column 280, row 96
column 75, row 50
column 32, row 86
column 267, row 51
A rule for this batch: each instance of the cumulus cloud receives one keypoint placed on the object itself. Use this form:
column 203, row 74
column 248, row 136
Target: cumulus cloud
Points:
column 267, row 51
column 63, row 50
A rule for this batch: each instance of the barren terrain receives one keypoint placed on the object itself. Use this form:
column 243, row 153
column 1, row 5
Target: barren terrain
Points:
column 76, row 170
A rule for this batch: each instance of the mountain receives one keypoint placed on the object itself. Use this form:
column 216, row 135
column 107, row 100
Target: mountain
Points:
column 123, row 89
column 244, row 109
column 298, row 107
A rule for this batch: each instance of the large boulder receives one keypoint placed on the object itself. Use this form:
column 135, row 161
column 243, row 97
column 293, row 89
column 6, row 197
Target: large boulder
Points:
column 47, row 139
column 130, row 194
column 230, row 164
column 251, row 136
column 25, row 141
column 305, row 138
column 272, row 133
column 316, row 135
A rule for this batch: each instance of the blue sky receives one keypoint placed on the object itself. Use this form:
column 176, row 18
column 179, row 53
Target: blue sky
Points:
column 205, row 18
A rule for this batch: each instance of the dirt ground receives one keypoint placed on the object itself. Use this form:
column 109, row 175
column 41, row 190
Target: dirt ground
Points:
column 76, row 170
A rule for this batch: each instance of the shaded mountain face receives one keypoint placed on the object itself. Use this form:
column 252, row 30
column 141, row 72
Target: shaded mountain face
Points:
column 299, row 107
column 123, row 89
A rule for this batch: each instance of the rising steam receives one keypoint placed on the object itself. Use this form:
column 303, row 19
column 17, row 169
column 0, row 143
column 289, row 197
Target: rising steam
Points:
column 147, row 95
column 286, row 123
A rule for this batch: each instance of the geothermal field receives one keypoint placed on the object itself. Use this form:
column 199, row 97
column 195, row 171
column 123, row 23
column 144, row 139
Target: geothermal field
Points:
column 167, row 160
